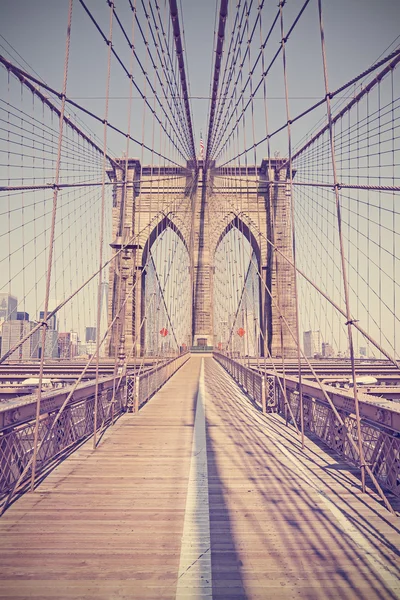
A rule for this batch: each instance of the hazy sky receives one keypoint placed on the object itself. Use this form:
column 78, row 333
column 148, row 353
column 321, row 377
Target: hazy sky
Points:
column 357, row 32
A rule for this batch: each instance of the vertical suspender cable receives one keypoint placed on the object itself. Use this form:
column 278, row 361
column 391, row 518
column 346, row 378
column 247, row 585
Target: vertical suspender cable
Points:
column 181, row 63
column 103, row 196
column 51, row 245
column 293, row 222
column 349, row 322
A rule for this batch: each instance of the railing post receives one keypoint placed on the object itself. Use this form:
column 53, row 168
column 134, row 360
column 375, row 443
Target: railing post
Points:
column 136, row 397
column 263, row 396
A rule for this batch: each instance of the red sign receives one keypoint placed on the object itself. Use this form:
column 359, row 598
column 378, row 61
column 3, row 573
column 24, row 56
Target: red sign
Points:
column 241, row 331
column 164, row 332
column 219, row 345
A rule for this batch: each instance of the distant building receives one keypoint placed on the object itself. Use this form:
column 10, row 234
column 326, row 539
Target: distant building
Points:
column 22, row 316
column 15, row 330
column 363, row 352
column 91, row 348
column 81, row 349
column 8, row 307
column 327, row 350
column 51, row 344
column 68, row 344
column 312, row 343
column 64, row 344
column 51, row 323
column 90, row 334
column 74, row 344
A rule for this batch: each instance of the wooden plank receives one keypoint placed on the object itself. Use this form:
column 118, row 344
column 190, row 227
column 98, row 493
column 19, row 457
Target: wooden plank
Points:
column 108, row 524
column 283, row 523
column 272, row 511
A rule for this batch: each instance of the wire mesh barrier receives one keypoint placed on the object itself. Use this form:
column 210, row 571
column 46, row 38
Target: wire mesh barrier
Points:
column 59, row 431
column 140, row 388
column 380, row 418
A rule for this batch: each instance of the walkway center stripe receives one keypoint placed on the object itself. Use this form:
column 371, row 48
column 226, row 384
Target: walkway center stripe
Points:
column 194, row 580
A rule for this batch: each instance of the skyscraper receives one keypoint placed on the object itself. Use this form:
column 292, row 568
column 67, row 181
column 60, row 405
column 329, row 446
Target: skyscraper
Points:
column 90, row 334
column 8, row 307
column 13, row 332
column 312, row 343
column 327, row 350
column 22, row 316
column 51, row 344
column 64, row 344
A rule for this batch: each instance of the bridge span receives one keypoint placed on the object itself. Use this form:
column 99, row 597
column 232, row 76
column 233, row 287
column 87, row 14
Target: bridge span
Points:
column 200, row 495
column 199, row 336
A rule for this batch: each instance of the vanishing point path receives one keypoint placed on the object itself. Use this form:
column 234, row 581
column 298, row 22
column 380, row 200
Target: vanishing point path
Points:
column 199, row 496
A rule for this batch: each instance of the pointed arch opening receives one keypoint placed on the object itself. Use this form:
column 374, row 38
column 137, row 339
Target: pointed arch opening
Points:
column 237, row 292
column 166, row 291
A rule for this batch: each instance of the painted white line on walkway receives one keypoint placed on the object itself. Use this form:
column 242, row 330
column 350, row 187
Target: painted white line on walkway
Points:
column 194, row 579
column 383, row 569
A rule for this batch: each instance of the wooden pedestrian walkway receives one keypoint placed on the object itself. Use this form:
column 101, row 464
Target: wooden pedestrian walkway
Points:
column 199, row 496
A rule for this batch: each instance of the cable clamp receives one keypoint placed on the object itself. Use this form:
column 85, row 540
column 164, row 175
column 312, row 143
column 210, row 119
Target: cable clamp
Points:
column 352, row 321
column 44, row 324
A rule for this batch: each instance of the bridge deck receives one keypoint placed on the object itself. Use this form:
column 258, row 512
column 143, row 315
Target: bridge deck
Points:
column 156, row 513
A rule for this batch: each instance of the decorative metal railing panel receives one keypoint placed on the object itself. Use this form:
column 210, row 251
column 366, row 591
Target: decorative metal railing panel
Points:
column 61, row 430
column 58, row 431
column 380, row 419
column 380, row 427
column 261, row 389
column 141, row 387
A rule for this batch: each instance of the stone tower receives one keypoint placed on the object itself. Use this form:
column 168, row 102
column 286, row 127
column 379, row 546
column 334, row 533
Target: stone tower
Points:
column 263, row 210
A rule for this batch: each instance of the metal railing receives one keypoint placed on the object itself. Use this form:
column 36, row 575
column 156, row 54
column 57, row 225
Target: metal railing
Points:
column 260, row 388
column 58, row 432
column 61, row 432
column 380, row 418
column 201, row 349
column 141, row 387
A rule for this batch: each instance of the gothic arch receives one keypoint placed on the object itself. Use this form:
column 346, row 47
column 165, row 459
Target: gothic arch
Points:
column 157, row 231
column 161, row 226
column 248, row 234
column 237, row 223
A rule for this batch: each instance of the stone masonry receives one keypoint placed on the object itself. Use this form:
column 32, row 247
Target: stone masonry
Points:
column 154, row 200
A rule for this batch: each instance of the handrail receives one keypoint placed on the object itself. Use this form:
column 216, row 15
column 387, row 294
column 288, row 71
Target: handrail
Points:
column 61, row 434
column 380, row 418
column 58, row 434
column 140, row 388
column 260, row 389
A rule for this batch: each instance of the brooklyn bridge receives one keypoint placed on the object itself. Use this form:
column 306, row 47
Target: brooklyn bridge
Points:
column 199, row 300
